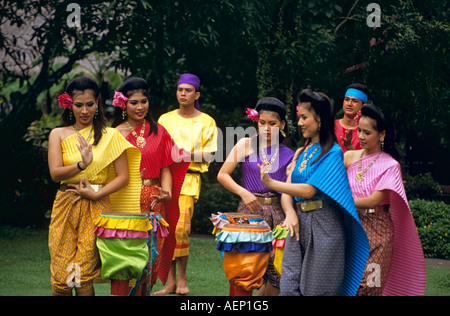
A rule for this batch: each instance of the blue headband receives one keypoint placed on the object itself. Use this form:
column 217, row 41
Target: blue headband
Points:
column 357, row 94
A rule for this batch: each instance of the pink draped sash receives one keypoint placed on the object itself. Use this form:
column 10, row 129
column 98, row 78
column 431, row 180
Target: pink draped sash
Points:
column 407, row 276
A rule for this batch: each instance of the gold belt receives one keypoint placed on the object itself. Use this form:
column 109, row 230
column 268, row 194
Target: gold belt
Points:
column 312, row 205
column 268, row 200
column 379, row 208
column 149, row 182
column 95, row 187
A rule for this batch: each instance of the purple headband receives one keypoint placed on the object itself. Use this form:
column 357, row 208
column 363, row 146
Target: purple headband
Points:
column 192, row 80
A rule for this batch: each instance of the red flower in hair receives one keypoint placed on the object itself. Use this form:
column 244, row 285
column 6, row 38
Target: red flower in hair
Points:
column 65, row 101
column 120, row 100
column 252, row 114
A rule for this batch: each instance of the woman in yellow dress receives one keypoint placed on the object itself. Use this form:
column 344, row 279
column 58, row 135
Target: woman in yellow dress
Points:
column 99, row 172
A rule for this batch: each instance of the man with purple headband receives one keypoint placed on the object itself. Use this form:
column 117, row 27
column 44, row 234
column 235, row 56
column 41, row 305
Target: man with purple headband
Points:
column 196, row 133
column 346, row 128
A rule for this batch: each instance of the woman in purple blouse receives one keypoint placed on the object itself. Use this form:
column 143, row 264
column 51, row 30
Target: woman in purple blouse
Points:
column 266, row 146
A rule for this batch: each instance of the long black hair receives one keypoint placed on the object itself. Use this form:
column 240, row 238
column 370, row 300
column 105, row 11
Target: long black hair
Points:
column 374, row 112
column 319, row 103
column 84, row 83
column 128, row 88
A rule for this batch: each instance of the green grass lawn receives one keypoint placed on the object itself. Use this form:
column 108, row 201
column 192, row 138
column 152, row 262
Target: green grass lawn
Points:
column 25, row 267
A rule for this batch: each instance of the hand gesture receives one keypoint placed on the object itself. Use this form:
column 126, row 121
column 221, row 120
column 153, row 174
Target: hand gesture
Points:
column 83, row 189
column 86, row 151
column 163, row 196
column 251, row 201
column 291, row 223
column 265, row 168
column 143, row 173
column 347, row 140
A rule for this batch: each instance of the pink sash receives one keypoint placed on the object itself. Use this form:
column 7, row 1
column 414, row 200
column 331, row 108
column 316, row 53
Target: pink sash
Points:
column 407, row 276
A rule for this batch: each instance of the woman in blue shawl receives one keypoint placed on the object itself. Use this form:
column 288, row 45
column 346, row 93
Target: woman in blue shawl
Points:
column 327, row 248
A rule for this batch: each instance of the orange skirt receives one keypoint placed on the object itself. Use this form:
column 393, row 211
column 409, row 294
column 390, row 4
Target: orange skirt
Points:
column 245, row 271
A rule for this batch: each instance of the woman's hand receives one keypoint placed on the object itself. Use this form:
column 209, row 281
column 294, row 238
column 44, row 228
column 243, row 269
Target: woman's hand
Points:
column 265, row 178
column 250, row 201
column 143, row 173
column 83, row 189
column 291, row 223
column 347, row 140
column 85, row 150
column 163, row 196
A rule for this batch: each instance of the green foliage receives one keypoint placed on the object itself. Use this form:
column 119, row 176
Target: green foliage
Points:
column 241, row 49
column 422, row 186
column 39, row 130
column 432, row 219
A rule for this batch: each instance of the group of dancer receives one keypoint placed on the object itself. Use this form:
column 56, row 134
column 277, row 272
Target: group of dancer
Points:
column 350, row 228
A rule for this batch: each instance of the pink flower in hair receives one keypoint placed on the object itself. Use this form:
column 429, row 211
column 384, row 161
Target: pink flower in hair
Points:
column 298, row 110
column 252, row 114
column 65, row 101
column 120, row 100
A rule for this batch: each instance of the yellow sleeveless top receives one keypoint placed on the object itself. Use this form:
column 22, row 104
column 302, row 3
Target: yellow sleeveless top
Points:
column 101, row 170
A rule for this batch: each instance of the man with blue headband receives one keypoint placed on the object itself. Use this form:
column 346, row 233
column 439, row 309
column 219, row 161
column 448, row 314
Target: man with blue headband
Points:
column 355, row 98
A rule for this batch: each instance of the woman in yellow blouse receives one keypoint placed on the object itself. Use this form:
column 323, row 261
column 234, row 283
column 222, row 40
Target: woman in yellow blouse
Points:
column 98, row 171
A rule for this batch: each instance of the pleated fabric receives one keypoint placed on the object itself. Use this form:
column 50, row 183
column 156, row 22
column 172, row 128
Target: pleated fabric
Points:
column 251, row 175
column 101, row 170
column 329, row 176
column 159, row 152
column 109, row 148
column 407, row 276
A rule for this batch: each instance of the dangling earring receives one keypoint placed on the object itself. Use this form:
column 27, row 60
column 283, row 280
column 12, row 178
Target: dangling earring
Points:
column 70, row 114
column 283, row 133
column 124, row 113
column 382, row 144
column 96, row 113
column 319, row 126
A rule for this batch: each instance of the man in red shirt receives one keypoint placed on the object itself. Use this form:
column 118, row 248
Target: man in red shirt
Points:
column 356, row 97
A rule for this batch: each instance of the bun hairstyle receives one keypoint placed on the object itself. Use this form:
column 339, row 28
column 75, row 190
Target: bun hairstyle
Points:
column 82, row 84
column 274, row 105
column 128, row 88
column 374, row 112
column 319, row 103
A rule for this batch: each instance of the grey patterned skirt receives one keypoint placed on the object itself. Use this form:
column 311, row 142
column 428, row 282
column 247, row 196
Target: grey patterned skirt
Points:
column 314, row 266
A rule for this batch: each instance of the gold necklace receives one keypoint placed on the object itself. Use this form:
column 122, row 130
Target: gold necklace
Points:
column 140, row 140
column 269, row 168
column 305, row 162
column 359, row 177
column 78, row 132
